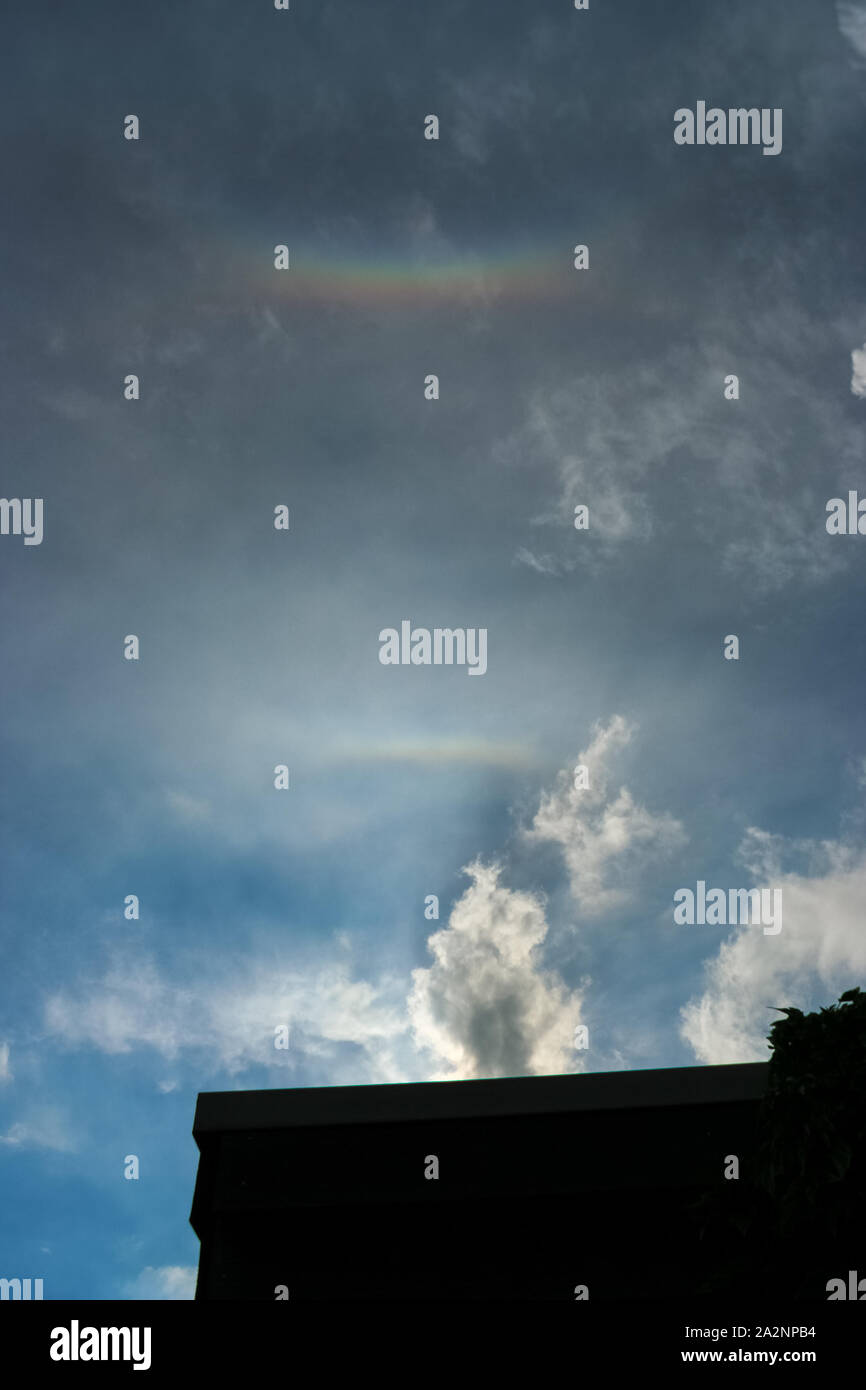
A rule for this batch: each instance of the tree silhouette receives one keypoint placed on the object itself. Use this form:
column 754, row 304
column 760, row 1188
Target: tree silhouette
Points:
column 799, row 1209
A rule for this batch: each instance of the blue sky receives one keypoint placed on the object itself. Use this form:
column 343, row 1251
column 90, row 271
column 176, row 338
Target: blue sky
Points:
column 260, row 647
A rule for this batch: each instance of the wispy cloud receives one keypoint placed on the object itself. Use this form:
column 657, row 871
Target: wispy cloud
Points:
column 858, row 371
column 460, row 751
column 190, row 810
column 485, row 106
column 852, row 24
column 226, row 1020
column 162, row 1282
column 43, row 1127
column 618, row 445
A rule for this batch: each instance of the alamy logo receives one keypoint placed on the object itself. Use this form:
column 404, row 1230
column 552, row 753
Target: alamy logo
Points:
column 856, row 1289
column 25, row 516
column 444, row 646
column 737, row 907
column 12, row 1288
column 101, row 1344
column 846, row 520
column 737, row 126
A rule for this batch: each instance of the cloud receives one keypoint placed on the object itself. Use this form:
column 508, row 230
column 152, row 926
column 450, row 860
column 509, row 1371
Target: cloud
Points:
column 852, row 25
column 653, row 445
column 779, row 551
column 463, row 752
column 485, row 1007
column 43, row 1128
column 190, row 810
column 858, row 372
column 74, row 404
column 542, row 564
column 180, row 348
column 820, row 951
column 418, row 226
column 627, row 429
column 162, row 1283
column 484, row 105
column 227, row 1023
column 5, row 1069
column 597, row 829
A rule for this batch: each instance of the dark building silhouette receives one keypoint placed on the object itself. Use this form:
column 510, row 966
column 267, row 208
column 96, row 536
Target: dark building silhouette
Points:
column 544, row 1184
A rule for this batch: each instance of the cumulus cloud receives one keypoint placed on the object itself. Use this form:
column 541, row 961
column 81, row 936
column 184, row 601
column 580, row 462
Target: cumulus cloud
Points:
column 598, row 829
column 820, row 951
column 858, row 371
column 162, row 1283
column 486, row 1007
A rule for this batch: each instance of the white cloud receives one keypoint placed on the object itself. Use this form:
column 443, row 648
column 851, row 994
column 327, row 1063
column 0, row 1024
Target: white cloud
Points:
column 627, row 429
column 191, row 810
column 5, row 1069
column 42, row 1128
column 599, row 830
column 485, row 1007
column 617, row 441
column 542, row 564
column 270, row 328
column 820, row 952
column 858, row 371
column 163, row 1283
column 852, row 25
column 227, row 1022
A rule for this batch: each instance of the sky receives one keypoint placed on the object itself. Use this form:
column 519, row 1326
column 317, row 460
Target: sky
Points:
column 304, row 908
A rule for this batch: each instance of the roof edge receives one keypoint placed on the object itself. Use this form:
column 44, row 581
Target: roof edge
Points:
column 419, row 1101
